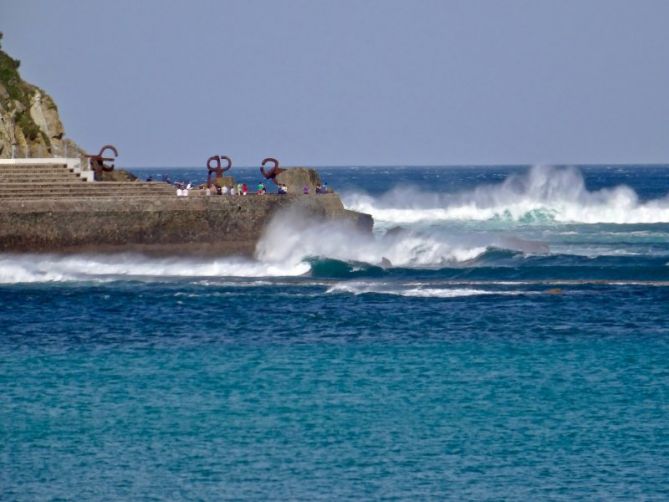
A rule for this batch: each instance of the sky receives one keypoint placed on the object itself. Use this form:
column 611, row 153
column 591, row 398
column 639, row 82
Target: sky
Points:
column 353, row 82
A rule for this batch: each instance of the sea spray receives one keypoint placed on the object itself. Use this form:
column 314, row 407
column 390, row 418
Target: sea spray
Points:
column 292, row 236
column 539, row 196
column 426, row 233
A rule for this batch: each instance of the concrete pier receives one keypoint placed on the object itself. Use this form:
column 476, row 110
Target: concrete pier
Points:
column 51, row 208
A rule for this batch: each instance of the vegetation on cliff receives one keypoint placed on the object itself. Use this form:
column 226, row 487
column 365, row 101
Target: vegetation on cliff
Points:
column 29, row 121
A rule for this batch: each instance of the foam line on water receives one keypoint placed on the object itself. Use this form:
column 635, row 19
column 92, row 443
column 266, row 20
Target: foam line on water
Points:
column 362, row 287
column 27, row 268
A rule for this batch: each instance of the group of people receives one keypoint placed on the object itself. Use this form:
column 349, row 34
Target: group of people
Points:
column 319, row 189
column 184, row 188
column 282, row 189
column 261, row 189
column 238, row 189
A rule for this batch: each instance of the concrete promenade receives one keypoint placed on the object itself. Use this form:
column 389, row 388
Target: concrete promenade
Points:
column 51, row 208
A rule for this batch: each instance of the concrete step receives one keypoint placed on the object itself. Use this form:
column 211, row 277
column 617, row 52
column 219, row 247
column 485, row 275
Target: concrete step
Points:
column 6, row 193
column 92, row 193
column 81, row 189
column 58, row 182
column 52, row 167
column 36, row 174
column 21, row 178
column 54, row 174
column 134, row 183
column 76, row 182
column 148, row 199
column 75, row 192
column 34, row 169
column 82, row 185
column 41, row 170
column 5, row 167
column 14, row 197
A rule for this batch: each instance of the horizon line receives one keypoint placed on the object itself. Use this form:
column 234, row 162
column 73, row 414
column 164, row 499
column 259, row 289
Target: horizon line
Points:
column 397, row 166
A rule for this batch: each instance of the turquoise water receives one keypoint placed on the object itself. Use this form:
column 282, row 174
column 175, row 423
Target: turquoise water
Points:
column 491, row 356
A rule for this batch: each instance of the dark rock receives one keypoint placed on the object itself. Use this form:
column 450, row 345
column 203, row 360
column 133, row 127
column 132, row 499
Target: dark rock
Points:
column 118, row 175
column 295, row 178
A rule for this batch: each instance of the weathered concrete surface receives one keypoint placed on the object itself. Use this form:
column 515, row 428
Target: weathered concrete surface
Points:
column 218, row 225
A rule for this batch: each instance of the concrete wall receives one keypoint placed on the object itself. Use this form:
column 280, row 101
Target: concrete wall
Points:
column 222, row 225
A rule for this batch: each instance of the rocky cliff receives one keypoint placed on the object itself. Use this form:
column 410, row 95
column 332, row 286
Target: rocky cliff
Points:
column 29, row 121
column 296, row 178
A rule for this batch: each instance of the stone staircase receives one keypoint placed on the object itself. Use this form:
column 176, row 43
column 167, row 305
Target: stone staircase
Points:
column 57, row 181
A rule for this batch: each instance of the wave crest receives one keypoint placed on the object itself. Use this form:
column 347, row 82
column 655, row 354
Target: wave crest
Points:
column 543, row 194
column 291, row 237
column 412, row 290
column 29, row 268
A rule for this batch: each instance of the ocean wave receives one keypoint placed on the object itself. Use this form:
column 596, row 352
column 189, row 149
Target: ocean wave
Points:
column 293, row 237
column 420, row 291
column 28, row 268
column 542, row 195
column 493, row 267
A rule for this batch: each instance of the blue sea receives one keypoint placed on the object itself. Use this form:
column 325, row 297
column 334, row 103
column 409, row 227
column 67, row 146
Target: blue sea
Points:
column 502, row 335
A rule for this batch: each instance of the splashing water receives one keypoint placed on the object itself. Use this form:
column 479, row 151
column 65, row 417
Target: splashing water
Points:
column 292, row 237
column 102, row 268
column 541, row 195
column 544, row 211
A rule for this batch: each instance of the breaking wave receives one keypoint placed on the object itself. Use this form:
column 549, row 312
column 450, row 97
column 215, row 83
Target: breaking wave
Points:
column 29, row 268
column 419, row 291
column 543, row 194
column 291, row 247
column 428, row 244
column 292, row 238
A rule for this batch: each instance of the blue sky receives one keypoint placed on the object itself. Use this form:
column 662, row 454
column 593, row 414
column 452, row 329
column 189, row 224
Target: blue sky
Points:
column 362, row 82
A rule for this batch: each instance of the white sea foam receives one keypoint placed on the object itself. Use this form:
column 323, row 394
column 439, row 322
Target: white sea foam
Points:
column 26, row 268
column 541, row 194
column 556, row 193
column 366, row 287
column 291, row 237
column 283, row 251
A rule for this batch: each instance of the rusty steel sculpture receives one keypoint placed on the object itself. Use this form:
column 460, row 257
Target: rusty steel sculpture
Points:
column 98, row 161
column 273, row 172
column 218, row 169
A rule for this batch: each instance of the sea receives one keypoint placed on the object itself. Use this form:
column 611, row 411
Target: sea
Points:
column 503, row 334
